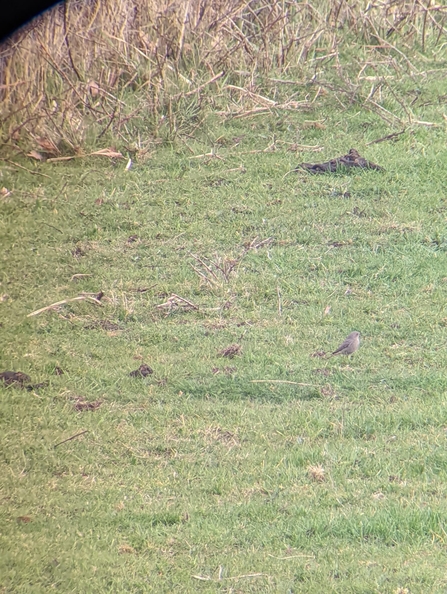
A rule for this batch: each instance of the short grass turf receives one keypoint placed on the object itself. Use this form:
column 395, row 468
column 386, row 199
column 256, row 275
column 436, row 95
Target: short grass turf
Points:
column 198, row 478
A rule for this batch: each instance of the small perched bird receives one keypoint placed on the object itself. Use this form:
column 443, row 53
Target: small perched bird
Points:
column 349, row 345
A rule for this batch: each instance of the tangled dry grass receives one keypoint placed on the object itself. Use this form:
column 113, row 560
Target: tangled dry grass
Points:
column 70, row 72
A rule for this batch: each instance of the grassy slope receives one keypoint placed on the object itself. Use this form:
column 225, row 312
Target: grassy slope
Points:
column 196, row 473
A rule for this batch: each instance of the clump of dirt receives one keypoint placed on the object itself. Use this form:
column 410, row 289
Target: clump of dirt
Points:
column 352, row 159
column 142, row 371
column 17, row 379
column 231, row 351
column 14, row 378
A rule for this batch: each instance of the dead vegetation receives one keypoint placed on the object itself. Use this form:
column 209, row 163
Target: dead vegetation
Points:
column 96, row 71
column 231, row 351
column 316, row 473
column 352, row 159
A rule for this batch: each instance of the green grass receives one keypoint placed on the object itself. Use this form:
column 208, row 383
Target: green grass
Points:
column 196, row 471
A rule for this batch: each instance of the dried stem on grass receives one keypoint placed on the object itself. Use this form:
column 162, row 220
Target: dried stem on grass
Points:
column 72, row 437
column 267, row 381
column 93, row 298
column 316, row 473
column 175, row 301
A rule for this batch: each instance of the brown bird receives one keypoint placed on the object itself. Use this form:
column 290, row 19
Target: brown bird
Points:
column 349, row 345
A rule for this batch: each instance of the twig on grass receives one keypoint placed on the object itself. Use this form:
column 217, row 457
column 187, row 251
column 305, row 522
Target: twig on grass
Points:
column 207, row 578
column 142, row 289
column 241, row 168
column 70, row 438
column 96, row 299
column 255, row 96
column 112, row 154
column 185, row 301
column 291, row 557
column 380, row 109
column 173, row 301
column 210, row 280
column 266, row 381
column 53, row 227
column 392, row 136
column 202, row 578
column 248, row 575
column 211, row 154
column 205, row 265
column 254, row 246
column 289, row 106
column 25, row 168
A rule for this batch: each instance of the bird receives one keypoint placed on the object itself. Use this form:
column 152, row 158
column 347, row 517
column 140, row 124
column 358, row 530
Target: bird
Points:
column 349, row 345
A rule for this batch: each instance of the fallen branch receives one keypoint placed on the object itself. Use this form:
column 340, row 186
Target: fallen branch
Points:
column 96, row 300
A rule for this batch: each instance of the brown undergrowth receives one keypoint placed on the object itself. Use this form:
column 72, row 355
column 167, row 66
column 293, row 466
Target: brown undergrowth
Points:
column 99, row 71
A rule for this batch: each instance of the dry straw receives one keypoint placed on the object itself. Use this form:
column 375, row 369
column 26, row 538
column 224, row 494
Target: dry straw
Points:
column 70, row 70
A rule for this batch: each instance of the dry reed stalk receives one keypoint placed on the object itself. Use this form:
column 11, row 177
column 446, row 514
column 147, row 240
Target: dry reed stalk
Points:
column 74, row 67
